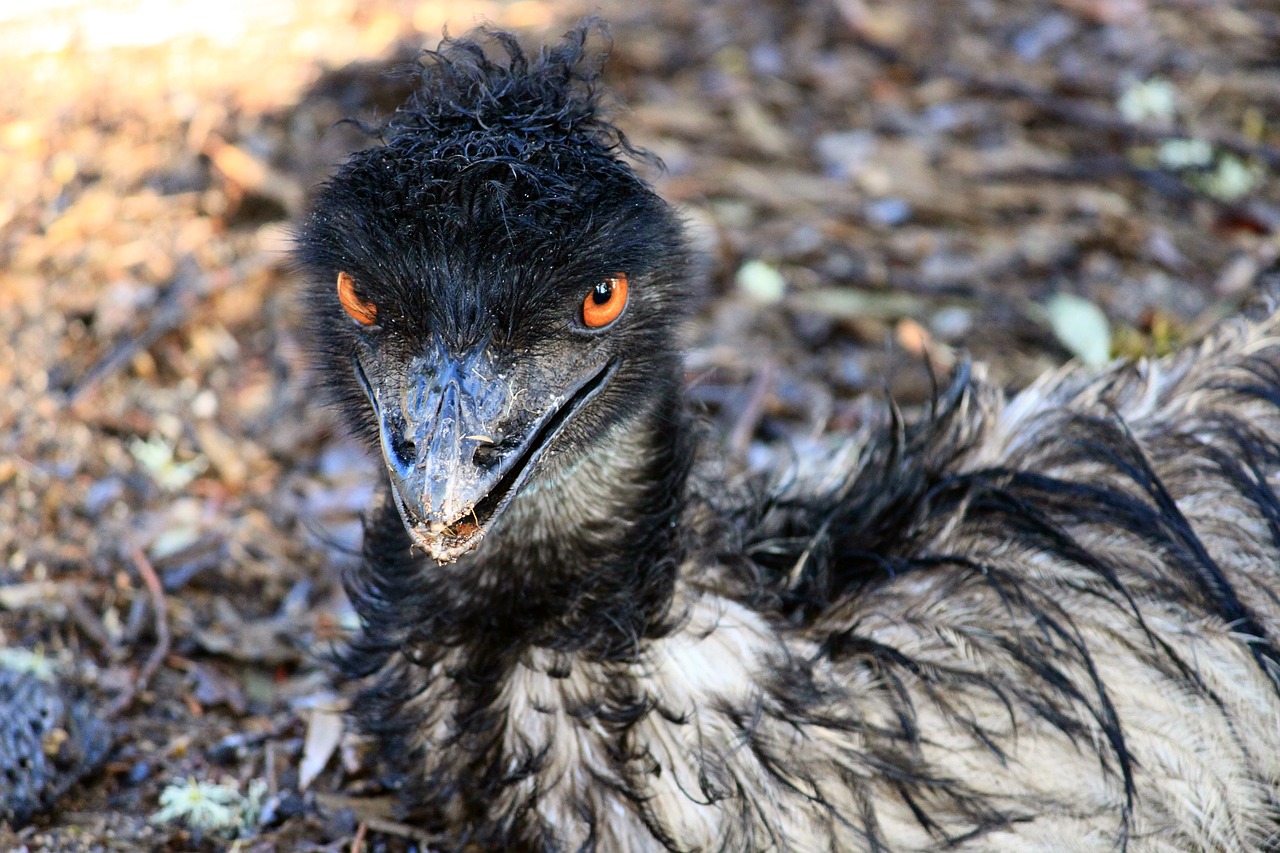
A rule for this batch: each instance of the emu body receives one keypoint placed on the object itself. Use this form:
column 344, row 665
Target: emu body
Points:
column 1046, row 623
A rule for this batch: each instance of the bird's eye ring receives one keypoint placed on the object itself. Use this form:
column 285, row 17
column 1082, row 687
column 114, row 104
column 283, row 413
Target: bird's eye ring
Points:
column 361, row 310
column 605, row 301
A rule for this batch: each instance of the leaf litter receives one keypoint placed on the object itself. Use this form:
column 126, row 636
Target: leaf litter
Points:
column 877, row 189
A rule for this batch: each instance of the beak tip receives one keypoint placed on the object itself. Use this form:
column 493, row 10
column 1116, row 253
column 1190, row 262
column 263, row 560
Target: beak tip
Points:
column 445, row 544
column 445, row 534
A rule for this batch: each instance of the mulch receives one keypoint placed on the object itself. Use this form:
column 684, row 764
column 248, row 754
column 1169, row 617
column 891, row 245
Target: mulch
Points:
column 879, row 189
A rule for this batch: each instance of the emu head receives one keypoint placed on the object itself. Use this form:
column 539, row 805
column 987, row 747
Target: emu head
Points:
column 492, row 290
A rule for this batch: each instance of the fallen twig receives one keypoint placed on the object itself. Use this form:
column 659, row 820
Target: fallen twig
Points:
column 749, row 418
column 173, row 309
column 190, row 287
column 1095, row 117
column 88, row 623
column 152, row 581
column 250, row 173
column 402, row 830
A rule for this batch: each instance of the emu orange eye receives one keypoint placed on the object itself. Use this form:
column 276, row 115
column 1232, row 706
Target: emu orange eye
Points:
column 605, row 301
column 363, row 312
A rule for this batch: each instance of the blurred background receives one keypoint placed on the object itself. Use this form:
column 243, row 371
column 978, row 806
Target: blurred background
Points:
column 877, row 185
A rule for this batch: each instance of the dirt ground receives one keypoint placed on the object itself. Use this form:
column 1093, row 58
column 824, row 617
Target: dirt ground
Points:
column 876, row 186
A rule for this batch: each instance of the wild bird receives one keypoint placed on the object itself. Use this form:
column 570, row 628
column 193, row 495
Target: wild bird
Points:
column 1041, row 623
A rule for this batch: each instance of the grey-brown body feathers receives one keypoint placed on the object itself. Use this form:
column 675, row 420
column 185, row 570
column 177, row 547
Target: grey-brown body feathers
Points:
column 1062, row 640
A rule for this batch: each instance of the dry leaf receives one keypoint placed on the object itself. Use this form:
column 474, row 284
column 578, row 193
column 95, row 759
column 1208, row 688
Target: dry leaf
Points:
column 324, row 733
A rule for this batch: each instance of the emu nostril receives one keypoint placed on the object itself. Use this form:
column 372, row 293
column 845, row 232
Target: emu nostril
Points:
column 406, row 449
column 487, row 452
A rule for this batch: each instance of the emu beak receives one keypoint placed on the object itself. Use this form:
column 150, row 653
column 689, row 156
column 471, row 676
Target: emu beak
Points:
column 460, row 442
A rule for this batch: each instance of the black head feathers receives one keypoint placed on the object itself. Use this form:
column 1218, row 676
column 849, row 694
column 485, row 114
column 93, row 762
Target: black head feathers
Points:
column 488, row 121
column 500, row 193
column 469, row 105
column 499, row 199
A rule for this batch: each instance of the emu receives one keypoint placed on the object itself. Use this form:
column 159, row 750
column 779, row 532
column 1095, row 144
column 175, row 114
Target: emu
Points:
column 1039, row 623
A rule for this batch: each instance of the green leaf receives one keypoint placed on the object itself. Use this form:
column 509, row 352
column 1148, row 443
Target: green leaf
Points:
column 761, row 282
column 1081, row 327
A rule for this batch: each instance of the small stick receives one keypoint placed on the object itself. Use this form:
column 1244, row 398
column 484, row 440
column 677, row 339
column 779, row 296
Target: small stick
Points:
column 390, row 827
column 753, row 411
column 152, row 581
column 176, row 303
column 86, row 621
column 158, row 603
column 190, row 287
column 1094, row 117
column 357, row 843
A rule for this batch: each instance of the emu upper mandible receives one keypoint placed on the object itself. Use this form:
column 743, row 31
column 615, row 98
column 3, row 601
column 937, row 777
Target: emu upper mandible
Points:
column 1044, row 623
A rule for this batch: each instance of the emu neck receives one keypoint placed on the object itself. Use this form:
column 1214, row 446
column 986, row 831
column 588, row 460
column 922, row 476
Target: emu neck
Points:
column 585, row 558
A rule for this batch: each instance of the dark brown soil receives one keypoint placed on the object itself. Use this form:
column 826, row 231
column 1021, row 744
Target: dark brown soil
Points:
column 924, row 177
